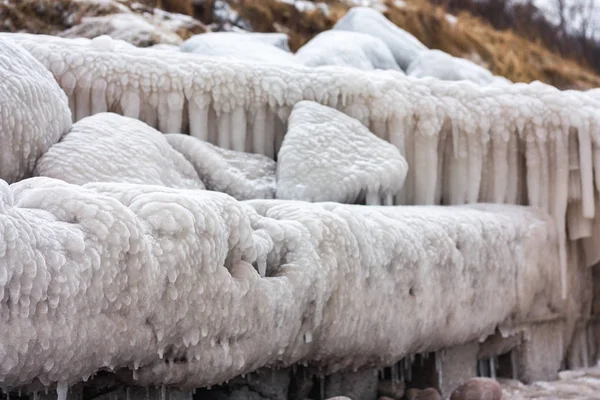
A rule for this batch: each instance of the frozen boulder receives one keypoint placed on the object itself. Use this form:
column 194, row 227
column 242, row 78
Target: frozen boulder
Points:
column 34, row 111
column 233, row 45
column 404, row 46
column 329, row 156
column 345, row 48
column 108, row 147
column 441, row 65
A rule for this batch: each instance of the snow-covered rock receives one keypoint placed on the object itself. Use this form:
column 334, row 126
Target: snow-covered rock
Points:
column 107, row 147
column 328, row 156
column 404, row 46
column 34, row 111
column 234, row 45
column 345, row 48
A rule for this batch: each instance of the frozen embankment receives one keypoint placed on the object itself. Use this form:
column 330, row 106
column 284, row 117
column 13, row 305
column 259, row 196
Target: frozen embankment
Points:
column 525, row 144
column 164, row 281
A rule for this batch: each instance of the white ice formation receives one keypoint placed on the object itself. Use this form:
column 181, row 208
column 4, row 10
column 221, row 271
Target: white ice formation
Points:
column 328, row 156
column 345, row 48
column 437, row 64
column 107, row 147
column 404, row 46
column 34, row 112
column 464, row 143
column 243, row 176
column 113, row 275
column 238, row 46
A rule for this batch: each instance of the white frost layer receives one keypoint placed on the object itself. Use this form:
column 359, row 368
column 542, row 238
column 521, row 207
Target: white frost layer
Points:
column 117, row 275
column 328, row 156
column 243, row 176
column 441, row 65
column 34, row 111
column 404, row 46
column 107, row 147
column 464, row 143
column 345, row 48
column 237, row 46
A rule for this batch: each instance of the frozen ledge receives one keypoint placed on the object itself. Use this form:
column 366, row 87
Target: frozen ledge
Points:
column 165, row 281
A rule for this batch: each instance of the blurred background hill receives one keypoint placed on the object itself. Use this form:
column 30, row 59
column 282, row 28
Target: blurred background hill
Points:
column 554, row 41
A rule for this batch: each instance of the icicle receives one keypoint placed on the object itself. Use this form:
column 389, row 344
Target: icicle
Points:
column 130, row 104
column 501, row 168
column 36, row 395
column 149, row 109
column 439, row 370
column 396, row 133
column 408, row 191
column 62, row 389
column 259, row 130
column 533, row 167
column 513, row 175
column 147, row 394
column 574, row 179
column 198, row 108
column 127, row 393
column 445, row 130
column 175, row 105
column 269, row 149
column 238, row 129
column 83, row 97
column 559, row 156
column 372, row 198
column 163, row 393
column 379, row 128
column 586, row 172
column 280, row 130
column 475, row 158
column 387, row 199
column 262, row 267
column 544, row 176
column 578, row 226
column 223, row 130
column 597, row 167
column 425, row 168
column 99, row 97
column 492, row 368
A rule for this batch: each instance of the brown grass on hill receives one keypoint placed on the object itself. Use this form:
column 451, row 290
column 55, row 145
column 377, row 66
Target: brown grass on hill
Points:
column 503, row 52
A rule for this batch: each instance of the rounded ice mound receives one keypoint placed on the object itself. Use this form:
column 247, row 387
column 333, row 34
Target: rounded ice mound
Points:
column 34, row 111
column 107, row 147
column 240, row 46
column 243, row 176
column 328, row 156
column 441, row 65
column 345, row 48
column 404, row 46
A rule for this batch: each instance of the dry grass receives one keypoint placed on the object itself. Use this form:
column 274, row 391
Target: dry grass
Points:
column 503, row 52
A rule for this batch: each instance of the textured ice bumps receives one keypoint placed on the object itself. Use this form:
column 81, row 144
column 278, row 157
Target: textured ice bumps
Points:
column 107, row 147
column 34, row 111
column 328, row 156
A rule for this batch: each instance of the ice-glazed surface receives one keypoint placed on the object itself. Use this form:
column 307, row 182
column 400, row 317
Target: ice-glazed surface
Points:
column 107, row 147
column 345, row 48
column 404, row 46
column 464, row 143
column 115, row 275
column 437, row 64
column 237, row 46
column 244, row 176
column 328, row 156
column 34, row 111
